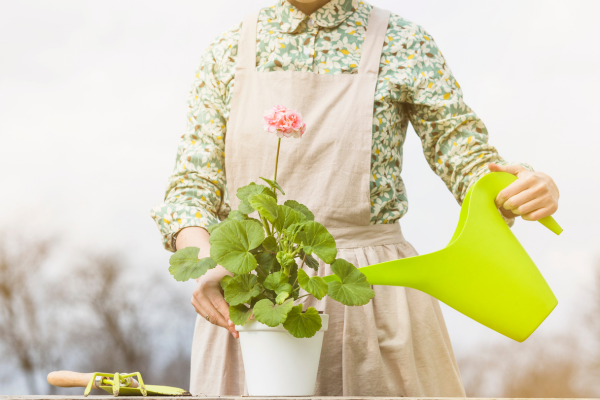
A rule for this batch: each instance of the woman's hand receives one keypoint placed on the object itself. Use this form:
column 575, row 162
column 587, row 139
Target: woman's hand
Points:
column 208, row 299
column 533, row 195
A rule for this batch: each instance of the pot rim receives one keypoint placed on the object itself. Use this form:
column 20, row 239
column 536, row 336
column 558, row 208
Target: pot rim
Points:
column 255, row 326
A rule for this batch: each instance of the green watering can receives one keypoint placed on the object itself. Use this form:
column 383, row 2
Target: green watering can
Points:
column 483, row 272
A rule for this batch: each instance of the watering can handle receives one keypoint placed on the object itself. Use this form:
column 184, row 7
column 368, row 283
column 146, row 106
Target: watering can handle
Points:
column 551, row 224
column 506, row 180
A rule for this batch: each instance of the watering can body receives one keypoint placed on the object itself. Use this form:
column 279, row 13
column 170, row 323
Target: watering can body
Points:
column 483, row 272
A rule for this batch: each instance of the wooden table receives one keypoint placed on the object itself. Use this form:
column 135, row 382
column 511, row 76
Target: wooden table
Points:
column 92, row 397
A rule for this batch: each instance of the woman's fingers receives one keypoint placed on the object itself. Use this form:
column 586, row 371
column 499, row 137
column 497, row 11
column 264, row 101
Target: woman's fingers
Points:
column 216, row 298
column 513, row 189
column 214, row 315
column 205, row 308
column 537, row 208
column 208, row 301
column 516, row 201
column 539, row 214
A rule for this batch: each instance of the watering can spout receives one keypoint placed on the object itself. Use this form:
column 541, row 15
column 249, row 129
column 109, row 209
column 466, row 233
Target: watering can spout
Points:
column 483, row 272
column 551, row 224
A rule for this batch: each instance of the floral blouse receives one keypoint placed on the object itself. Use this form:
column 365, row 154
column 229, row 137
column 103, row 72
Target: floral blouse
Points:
column 415, row 85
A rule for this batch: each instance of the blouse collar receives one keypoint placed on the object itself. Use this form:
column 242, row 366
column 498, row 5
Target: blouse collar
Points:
column 330, row 15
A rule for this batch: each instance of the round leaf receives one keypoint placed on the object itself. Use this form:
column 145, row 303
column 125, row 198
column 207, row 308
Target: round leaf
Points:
column 293, row 204
column 317, row 239
column 230, row 245
column 241, row 289
column 272, row 314
column 303, row 325
column 245, row 207
column 239, row 314
column 250, row 189
column 270, row 244
column 315, row 285
column 185, row 265
column 287, row 216
column 353, row 289
column 275, row 280
column 265, row 204
column 282, row 296
column 236, row 215
column 266, row 261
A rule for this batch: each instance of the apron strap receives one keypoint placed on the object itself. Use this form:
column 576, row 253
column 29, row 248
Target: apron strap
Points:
column 246, row 57
column 371, row 48
column 373, row 44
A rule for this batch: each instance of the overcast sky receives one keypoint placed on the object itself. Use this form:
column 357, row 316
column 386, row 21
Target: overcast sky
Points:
column 93, row 102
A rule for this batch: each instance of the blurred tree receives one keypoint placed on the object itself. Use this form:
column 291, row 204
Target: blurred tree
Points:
column 561, row 365
column 25, row 340
column 103, row 314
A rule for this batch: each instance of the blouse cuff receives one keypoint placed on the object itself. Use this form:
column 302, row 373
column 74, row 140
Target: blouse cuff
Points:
column 171, row 219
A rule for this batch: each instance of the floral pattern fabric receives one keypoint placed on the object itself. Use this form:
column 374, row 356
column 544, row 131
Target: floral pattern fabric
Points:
column 415, row 85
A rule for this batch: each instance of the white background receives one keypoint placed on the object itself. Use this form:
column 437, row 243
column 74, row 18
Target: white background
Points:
column 93, row 102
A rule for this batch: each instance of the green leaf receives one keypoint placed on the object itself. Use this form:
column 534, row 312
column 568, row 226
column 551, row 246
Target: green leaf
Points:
column 293, row 204
column 287, row 216
column 257, row 299
column 293, row 229
column 225, row 280
column 281, row 297
column 269, row 192
column 241, row 289
column 317, row 239
column 185, row 265
column 285, row 288
column 239, row 314
column 248, row 190
column 236, row 215
column 309, row 260
column 315, row 285
column 270, row 244
column 216, row 225
column 274, row 185
column 354, row 289
column 265, row 204
column 245, row 207
column 272, row 314
column 275, row 280
column 230, row 245
column 267, row 262
column 303, row 325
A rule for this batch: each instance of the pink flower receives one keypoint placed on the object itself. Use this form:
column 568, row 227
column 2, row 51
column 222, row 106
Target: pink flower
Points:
column 284, row 122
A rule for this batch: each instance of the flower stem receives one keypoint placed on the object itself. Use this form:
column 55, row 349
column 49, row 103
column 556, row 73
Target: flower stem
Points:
column 277, row 159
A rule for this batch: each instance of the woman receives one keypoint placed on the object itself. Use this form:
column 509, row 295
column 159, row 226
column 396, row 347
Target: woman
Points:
column 358, row 75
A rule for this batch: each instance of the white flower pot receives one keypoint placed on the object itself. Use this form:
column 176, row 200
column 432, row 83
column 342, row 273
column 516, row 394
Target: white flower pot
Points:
column 278, row 364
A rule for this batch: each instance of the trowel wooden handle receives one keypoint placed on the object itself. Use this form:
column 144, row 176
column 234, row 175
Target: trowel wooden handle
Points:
column 69, row 379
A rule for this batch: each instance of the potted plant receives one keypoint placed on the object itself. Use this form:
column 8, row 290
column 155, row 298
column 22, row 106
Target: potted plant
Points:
column 267, row 257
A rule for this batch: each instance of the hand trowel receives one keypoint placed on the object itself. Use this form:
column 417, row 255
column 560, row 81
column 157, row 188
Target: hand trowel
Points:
column 484, row 272
column 126, row 385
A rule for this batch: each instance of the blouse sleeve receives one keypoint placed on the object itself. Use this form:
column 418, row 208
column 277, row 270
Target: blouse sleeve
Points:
column 454, row 139
column 195, row 190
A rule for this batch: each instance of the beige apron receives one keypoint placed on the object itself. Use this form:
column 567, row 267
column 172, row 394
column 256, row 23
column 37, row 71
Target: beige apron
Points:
column 397, row 345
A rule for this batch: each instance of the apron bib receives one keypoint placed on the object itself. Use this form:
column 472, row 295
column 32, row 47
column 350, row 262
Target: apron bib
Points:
column 397, row 345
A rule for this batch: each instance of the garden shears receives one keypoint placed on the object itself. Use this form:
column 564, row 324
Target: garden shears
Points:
column 117, row 384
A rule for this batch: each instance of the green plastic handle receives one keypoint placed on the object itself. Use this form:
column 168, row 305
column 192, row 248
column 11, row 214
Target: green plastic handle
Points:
column 483, row 272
